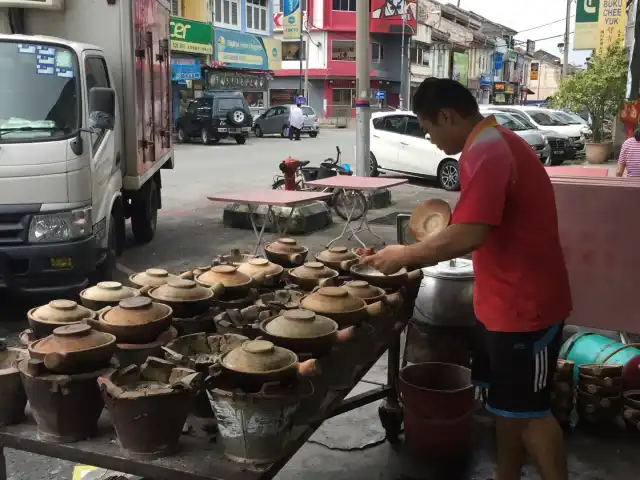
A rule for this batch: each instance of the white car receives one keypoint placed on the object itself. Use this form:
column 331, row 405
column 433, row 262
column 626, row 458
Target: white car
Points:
column 532, row 136
column 399, row 145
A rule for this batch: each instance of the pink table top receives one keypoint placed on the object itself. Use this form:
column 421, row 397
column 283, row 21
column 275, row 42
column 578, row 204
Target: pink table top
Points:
column 263, row 196
column 350, row 182
column 577, row 171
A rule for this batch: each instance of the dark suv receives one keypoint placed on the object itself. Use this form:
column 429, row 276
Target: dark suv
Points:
column 216, row 115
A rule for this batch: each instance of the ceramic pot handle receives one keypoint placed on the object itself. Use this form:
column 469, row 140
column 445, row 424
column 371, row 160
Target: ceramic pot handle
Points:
column 295, row 258
column 145, row 290
column 35, row 367
column 376, row 309
column 325, row 282
column 308, row 368
column 54, row 360
column 345, row 335
column 393, row 300
column 347, row 264
column 190, row 274
column 95, row 324
column 414, row 276
column 218, row 290
column 259, row 277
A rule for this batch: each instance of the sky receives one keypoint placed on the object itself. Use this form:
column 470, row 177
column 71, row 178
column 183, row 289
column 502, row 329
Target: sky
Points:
column 523, row 15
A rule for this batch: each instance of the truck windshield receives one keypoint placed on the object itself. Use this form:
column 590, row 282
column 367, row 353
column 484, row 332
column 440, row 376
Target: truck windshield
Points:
column 38, row 92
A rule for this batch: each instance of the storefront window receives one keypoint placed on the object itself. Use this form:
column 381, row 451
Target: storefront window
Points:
column 377, row 52
column 282, row 96
column 254, row 99
column 344, row 97
column 344, row 50
column 421, row 55
column 291, row 50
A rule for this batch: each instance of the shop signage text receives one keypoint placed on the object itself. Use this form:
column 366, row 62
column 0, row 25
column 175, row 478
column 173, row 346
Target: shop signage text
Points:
column 611, row 23
column 185, row 69
column 499, row 87
column 191, row 37
column 217, row 80
column 533, row 74
column 292, row 19
column 586, row 27
column 243, row 50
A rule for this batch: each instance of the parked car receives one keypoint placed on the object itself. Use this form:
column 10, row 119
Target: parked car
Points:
column 571, row 118
column 276, row 120
column 562, row 147
column 217, row 115
column 532, row 136
column 399, row 145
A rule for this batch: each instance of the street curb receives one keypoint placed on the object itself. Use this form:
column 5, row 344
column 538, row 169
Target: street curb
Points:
column 306, row 218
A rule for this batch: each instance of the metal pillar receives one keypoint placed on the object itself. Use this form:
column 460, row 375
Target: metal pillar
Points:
column 567, row 29
column 363, row 87
column 403, row 89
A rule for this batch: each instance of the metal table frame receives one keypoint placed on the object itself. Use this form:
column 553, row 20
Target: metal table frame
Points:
column 279, row 198
column 348, row 183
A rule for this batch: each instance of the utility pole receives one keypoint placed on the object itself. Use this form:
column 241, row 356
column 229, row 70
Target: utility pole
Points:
column 300, row 56
column 567, row 30
column 402, row 75
column 306, row 65
column 363, row 87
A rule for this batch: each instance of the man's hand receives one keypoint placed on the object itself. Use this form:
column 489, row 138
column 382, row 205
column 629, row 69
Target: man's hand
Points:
column 388, row 260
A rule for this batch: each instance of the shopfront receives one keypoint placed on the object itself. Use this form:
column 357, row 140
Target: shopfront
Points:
column 244, row 62
column 191, row 48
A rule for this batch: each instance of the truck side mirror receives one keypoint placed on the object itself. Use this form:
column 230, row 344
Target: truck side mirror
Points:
column 102, row 108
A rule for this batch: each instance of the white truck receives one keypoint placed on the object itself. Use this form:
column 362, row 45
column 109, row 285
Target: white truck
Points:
column 85, row 109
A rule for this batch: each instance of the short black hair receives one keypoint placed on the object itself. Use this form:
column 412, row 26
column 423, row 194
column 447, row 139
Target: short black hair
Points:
column 434, row 94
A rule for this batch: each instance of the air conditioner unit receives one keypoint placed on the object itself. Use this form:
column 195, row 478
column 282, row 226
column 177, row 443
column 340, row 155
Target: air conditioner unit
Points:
column 39, row 4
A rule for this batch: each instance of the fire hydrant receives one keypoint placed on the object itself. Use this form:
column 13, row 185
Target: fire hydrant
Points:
column 289, row 167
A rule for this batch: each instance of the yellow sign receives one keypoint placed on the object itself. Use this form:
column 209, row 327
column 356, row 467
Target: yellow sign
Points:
column 585, row 35
column 611, row 24
column 292, row 19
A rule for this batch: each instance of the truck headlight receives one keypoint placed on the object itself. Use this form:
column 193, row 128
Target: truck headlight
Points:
column 61, row 227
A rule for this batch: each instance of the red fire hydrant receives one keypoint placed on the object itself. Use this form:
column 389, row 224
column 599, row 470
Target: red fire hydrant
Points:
column 289, row 167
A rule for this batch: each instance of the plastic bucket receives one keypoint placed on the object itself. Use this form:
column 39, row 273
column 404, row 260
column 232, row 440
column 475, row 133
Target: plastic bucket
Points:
column 438, row 391
column 427, row 436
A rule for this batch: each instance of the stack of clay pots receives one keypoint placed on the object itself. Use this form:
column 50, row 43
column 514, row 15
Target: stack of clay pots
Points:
column 599, row 393
column 631, row 408
column 562, row 393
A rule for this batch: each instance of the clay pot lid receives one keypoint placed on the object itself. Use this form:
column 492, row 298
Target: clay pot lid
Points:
column 72, row 338
column 259, row 265
column 313, row 270
column 180, row 289
column 362, row 289
column 61, row 311
column 285, row 245
column 300, row 323
column 152, row 277
column 259, row 356
column 332, row 300
column 227, row 275
column 429, row 218
column 336, row 254
column 135, row 311
column 108, row 292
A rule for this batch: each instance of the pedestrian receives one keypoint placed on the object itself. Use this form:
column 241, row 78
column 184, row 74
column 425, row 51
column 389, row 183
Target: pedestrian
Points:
column 296, row 121
column 629, row 159
column 506, row 216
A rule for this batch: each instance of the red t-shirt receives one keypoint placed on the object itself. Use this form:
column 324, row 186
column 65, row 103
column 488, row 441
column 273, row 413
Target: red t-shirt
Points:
column 521, row 280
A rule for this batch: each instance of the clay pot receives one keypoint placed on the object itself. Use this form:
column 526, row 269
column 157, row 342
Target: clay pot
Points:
column 134, row 320
column 57, row 313
column 236, row 284
column 200, row 351
column 106, row 294
column 257, row 362
column 631, row 399
column 75, row 348
column 338, row 258
column 152, row 277
column 302, row 331
column 66, row 408
column 13, row 398
column 286, row 252
column 631, row 417
column 26, row 337
column 601, row 370
column 604, row 385
column 149, row 405
column 312, row 275
column 261, row 267
column 564, row 368
column 137, row 353
column 338, row 304
column 371, row 294
column 374, row 277
column 185, row 297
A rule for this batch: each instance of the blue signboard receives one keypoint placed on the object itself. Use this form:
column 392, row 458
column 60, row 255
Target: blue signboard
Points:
column 243, row 50
column 301, row 100
column 497, row 61
column 185, row 69
column 381, row 94
column 485, row 80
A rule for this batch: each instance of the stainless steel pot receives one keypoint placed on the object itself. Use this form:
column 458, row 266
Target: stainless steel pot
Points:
column 445, row 297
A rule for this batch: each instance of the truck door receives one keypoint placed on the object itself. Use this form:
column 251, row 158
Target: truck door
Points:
column 104, row 163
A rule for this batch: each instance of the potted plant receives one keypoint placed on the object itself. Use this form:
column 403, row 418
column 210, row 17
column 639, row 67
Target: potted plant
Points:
column 600, row 90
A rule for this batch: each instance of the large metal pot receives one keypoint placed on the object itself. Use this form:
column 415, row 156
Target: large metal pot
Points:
column 445, row 297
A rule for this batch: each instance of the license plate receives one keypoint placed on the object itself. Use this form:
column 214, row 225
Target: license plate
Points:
column 235, row 130
column 60, row 262
column 558, row 152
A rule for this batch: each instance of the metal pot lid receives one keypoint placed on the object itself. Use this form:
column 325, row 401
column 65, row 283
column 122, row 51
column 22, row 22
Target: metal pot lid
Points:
column 332, row 300
column 152, row 277
column 457, row 268
column 300, row 323
column 135, row 311
column 336, row 254
column 313, row 270
column 259, row 356
column 61, row 311
column 285, row 245
column 71, row 338
column 109, row 292
column 227, row 275
column 180, row 289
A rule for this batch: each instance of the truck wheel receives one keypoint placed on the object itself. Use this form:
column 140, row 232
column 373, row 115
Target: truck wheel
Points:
column 241, row 139
column 144, row 213
column 104, row 271
column 182, row 136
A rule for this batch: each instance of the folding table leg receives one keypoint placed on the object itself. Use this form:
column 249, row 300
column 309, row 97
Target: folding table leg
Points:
column 283, row 231
column 390, row 412
column 347, row 225
column 259, row 235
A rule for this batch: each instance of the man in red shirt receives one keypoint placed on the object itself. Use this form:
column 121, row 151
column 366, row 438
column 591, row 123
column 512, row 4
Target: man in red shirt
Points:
column 506, row 216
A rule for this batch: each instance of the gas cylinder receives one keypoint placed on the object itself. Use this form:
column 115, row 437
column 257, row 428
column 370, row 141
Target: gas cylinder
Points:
column 587, row 347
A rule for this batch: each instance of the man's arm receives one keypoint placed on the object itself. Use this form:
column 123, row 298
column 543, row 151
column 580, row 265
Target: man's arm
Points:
column 622, row 160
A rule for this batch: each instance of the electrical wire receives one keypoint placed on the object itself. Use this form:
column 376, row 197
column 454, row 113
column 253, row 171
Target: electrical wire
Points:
column 545, row 25
column 549, row 38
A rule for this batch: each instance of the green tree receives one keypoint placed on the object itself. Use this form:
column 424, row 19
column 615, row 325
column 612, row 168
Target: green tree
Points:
column 599, row 89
